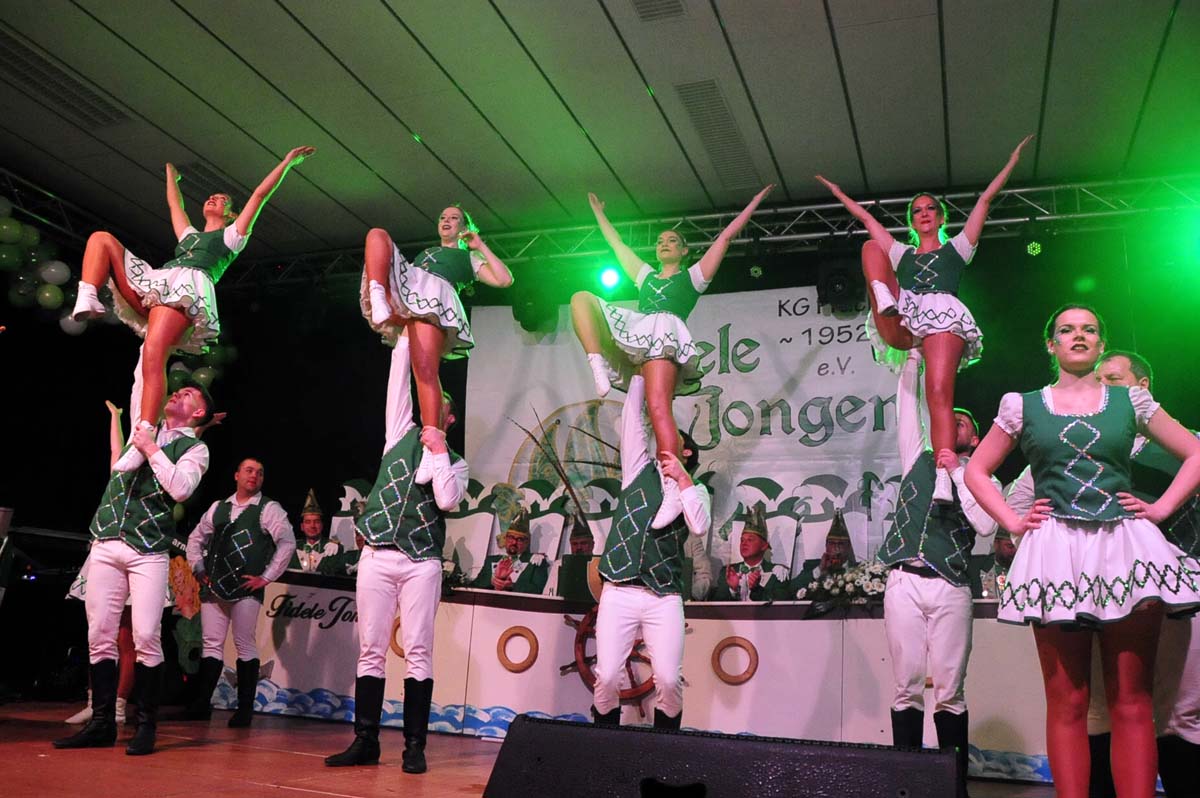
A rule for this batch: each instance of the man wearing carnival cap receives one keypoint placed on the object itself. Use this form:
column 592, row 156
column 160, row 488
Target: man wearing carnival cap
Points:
column 132, row 531
column 642, row 569
column 315, row 546
column 404, row 533
column 837, row 557
column 755, row 578
column 240, row 546
column 580, row 538
column 928, row 609
column 515, row 570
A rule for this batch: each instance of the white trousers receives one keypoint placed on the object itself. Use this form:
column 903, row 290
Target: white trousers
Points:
column 387, row 577
column 1176, row 683
column 627, row 613
column 118, row 571
column 215, row 618
column 928, row 622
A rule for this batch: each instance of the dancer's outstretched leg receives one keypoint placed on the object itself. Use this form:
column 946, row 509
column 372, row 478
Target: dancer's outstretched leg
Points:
column 882, row 292
column 103, row 257
column 660, row 376
column 426, row 343
column 942, row 354
column 595, row 337
column 378, row 262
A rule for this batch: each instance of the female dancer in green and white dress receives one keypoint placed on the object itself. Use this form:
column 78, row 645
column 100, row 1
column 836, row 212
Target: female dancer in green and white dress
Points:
column 174, row 308
column 1091, row 553
column 919, row 291
column 654, row 338
column 422, row 297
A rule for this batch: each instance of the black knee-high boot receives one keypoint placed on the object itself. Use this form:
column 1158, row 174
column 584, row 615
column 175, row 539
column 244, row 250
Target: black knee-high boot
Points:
column 1177, row 764
column 664, row 721
column 368, row 708
column 150, row 681
column 952, row 736
column 908, row 727
column 418, row 697
column 247, row 671
column 200, row 707
column 610, row 718
column 101, row 730
column 1100, row 782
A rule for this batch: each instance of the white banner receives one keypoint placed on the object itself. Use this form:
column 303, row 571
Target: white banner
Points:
column 793, row 412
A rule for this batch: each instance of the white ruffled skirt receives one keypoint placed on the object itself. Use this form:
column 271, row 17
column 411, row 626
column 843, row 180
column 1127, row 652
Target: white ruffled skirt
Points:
column 416, row 293
column 924, row 315
column 188, row 290
column 1079, row 572
column 652, row 336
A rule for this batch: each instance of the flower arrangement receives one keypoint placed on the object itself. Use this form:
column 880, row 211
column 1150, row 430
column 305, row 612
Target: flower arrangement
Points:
column 858, row 584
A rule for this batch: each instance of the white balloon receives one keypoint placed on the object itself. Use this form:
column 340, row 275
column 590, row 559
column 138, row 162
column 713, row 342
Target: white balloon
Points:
column 54, row 272
column 70, row 326
column 5, row 207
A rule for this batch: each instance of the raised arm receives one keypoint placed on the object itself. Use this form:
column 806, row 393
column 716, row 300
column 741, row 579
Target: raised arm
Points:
column 254, row 205
column 712, row 258
column 875, row 228
column 116, row 435
column 398, row 413
column 179, row 218
column 974, row 226
column 493, row 272
column 634, row 454
column 908, row 412
column 630, row 262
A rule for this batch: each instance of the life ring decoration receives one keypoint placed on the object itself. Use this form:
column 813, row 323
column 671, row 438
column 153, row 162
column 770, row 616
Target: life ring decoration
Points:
column 585, row 628
column 395, row 646
column 526, row 634
column 735, row 678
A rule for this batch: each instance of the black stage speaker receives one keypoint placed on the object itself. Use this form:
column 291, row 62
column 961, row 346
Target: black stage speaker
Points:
column 557, row 758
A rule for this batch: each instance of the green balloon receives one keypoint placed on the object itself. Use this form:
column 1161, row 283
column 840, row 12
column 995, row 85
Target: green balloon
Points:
column 175, row 379
column 11, row 257
column 30, row 235
column 177, row 512
column 19, row 298
column 44, row 250
column 50, row 296
column 10, row 231
column 204, row 375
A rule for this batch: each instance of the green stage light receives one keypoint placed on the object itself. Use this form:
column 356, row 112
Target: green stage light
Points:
column 609, row 277
column 1034, row 248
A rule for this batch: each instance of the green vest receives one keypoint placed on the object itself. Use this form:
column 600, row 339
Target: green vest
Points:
column 532, row 578
column 1154, row 468
column 938, row 534
column 936, row 272
column 675, row 294
column 238, row 548
column 452, row 264
column 636, row 553
column 204, row 251
column 769, row 588
column 137, row 510
column 1080, row 462
column 401, row 514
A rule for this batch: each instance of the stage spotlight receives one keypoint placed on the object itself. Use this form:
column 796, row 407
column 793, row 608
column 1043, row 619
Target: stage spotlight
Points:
column 1033, row 248
column 840, row 285
column 609, row 277
column 534, row 313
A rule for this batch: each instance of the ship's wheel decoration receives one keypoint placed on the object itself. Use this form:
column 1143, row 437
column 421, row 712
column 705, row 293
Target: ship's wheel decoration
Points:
column 585, row 630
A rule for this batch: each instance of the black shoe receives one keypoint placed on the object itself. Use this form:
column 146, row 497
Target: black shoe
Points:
column 610, row 718
column 101, row 730
column 368, row 707
column 908, row 727
column 418, row 697
column 664, row 721
column 150, row 680
column 200, row 707
column 247, row 674
column 952, row 736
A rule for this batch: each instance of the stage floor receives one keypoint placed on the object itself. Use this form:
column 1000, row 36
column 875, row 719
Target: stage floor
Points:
column 277, row 757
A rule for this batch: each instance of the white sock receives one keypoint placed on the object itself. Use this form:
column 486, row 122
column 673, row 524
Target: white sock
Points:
column 602, row 373
column 87, row 303
column 885, row 303
column 381, row 309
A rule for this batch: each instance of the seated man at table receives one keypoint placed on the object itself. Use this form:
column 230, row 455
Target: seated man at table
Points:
column 516, row 570
column 755, row 578
column 316, row 545
column 838, row 555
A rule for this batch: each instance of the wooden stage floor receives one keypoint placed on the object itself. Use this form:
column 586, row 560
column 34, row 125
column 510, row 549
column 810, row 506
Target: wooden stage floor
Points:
column 276, row 757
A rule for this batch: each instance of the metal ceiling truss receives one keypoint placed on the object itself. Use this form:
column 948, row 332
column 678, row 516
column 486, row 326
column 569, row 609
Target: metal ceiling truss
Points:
column 1064, row 208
